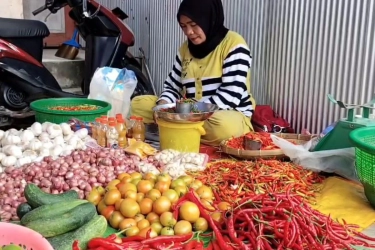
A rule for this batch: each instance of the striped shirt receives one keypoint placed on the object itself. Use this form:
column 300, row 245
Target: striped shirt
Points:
column 221, row 78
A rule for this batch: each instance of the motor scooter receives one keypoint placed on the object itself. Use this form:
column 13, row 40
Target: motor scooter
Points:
column 23, row 78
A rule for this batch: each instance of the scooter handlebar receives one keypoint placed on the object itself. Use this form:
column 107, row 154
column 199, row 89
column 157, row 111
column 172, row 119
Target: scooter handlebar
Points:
column 39, row 10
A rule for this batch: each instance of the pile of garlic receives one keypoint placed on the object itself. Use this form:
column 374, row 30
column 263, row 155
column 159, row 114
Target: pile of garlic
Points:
column 176, row 164
column 19, row 147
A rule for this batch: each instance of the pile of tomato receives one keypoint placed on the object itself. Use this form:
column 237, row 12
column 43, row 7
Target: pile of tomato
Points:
column 139, row 204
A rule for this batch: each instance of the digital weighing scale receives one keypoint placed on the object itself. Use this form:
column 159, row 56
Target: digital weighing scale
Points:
column 338, row 137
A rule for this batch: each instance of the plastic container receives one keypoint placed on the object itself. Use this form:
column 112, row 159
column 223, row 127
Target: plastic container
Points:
column 364, row 141
column 95, row 128
column 139, row 129
column 19, row 235
column 112, row 135
column 130, row 125
column 44, row 114
column 102, row 133
column 181, row 137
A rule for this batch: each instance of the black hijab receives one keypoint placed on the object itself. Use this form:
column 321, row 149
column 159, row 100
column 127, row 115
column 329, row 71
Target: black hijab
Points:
column 209, row 16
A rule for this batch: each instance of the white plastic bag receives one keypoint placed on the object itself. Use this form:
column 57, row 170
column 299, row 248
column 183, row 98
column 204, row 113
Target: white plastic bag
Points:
column 114, row 86
column 338, row 161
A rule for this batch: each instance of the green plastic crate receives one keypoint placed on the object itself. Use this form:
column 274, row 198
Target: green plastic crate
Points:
column 364, row 141
column 44, row 114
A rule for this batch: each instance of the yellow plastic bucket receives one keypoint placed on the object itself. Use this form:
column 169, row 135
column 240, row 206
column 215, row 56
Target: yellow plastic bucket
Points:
column 181, row 137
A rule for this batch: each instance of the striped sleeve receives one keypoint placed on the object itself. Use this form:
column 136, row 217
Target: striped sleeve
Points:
column 233, row 88
column 172, row 85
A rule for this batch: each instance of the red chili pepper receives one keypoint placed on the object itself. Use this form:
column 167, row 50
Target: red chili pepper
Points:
column 209, row 246
column 76, row 245
column 168, row 239
column 103, row 242
column 194, row 245
column 133, row 238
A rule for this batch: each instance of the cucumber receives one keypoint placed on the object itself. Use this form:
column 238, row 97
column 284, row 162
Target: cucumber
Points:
column 46, row 212
column 23, row 209
column 96, row 227
column 37, row 197
column 65, row 222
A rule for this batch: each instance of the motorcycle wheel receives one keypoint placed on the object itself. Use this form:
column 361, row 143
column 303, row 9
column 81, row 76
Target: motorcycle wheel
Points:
column 11, row 98
column 144, row 85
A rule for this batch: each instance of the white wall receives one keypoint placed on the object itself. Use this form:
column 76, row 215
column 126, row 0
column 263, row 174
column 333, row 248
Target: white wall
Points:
column 11, row 8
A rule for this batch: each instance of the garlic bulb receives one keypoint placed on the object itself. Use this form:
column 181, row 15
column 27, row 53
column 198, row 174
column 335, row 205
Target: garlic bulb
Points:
column 8, row 161
column 11, row 139
column 27, row 135
column 13, row 150
column 35, row 145
column 45, row 126
column 36, row 128
column 54, row 130
column 66, row 130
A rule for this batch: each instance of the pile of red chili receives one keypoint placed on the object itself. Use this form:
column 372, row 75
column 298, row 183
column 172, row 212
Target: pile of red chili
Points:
column 286, row 221
column 231, row 180
column 262, row 137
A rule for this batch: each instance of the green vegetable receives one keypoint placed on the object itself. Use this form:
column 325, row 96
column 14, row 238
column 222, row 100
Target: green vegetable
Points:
column 11, row 247
column 49, row 211
column 37, row 197
column 96, row 227
column 23, row 209
column 65, row 222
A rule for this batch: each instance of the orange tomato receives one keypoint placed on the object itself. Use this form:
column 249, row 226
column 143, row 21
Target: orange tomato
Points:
column 136, row 175
column 145, row 231
column 115, row 219
column 130, row 194
column 113, row 183
column 164, row 178
column 127, row 223
column 107, row 212
column 132, row 231
column 101, row 206
column 196, row 184
column 157, row 227
column 167, row 231
column 153, row 194
column 182, row 227
column 94, row 197
column 167, row 219
column 127, row 187
column 122, row 176
column 205, row 192
column 189, row 211
column 172, row 195
column 162, row 186
column 129, row 208
column 140, row 197
column 223, row 206
column 111, row 197
column 200, row 225
column 187, row 179
column 100, row 189
column 144, row 186
column 217, row 216
column 181, row 190
column 118, row 204
column 146, row 206
column 126, row 179
column 143, row 224
column 153, row 217
column 139, row 217
column 207, row 204
column 150, row 176
column 161, row 205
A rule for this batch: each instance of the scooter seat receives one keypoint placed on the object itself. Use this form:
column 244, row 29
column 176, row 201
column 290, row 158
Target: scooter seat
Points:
column 17, row 28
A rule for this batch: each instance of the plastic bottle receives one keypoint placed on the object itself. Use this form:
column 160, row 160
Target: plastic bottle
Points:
column 132, row 121
column 94, row 128
column 139, row 129
column 112, row 135
column 104, row 117
column 120, row 125
column 112, row 119
column 101, row 134
column 119, row 116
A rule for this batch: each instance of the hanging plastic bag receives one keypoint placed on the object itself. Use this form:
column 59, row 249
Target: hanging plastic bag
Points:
column 114, row 86
column 338, row 161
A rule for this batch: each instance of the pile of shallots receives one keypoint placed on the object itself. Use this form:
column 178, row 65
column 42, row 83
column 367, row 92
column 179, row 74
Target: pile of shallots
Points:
column 80, row 171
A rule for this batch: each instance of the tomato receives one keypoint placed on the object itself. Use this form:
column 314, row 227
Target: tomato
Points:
column 140, row 197
column 101, row 206
column 171, row 195
column 153, row 217
column 126, row 179
column 157, row 227
column 115, row 219
column 136, row 175
column 181, row 190
column 153, row 194
column 118, row 204
column 167, row 231
column 145, row 230
column 182, row 227
column 94, row 197
column 223, row 206
column 167, row 219
column 122, row 176
column 205, row 192
column 164, row 178
column 113, row 183
column 162, row 186
column 143, row 224
column 100, row 189
column 130, row 194
column 144, row 186
column 207, row 204
column 107, row 212
column 217, row 216
column 200, row 225
column 146, row 205
column 135, row 181
column 196, row 184
column 150, row 176
column 189, row 211
column 126, row 187
column 129, row 208
column 111, row 197
column 132, row 231
column 139, row 217
column 127, row 223
column 187, row 179
column 161, row 205
column 178, row 182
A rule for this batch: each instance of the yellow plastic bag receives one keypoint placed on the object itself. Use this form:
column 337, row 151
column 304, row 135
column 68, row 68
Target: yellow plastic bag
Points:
column 140, row 148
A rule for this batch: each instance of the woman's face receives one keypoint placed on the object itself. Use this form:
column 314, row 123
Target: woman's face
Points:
column 193, row 32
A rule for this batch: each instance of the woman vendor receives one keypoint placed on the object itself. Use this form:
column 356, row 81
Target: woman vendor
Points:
column 212, row 66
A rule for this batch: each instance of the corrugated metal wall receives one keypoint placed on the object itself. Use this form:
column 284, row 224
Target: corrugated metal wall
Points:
column 302, row 50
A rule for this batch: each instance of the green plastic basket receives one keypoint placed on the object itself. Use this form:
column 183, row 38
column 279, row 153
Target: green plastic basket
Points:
column 44, row 114
column 364, row 141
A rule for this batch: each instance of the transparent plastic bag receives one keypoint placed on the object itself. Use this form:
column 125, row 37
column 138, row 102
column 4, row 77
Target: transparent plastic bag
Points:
column 114, row 86
column 338, row 161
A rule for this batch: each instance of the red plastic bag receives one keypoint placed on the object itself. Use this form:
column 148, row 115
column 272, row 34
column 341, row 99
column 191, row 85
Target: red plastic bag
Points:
column 265, row 119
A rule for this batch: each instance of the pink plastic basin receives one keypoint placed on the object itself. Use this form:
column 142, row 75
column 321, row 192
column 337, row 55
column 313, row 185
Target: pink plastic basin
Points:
column 23, row 236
